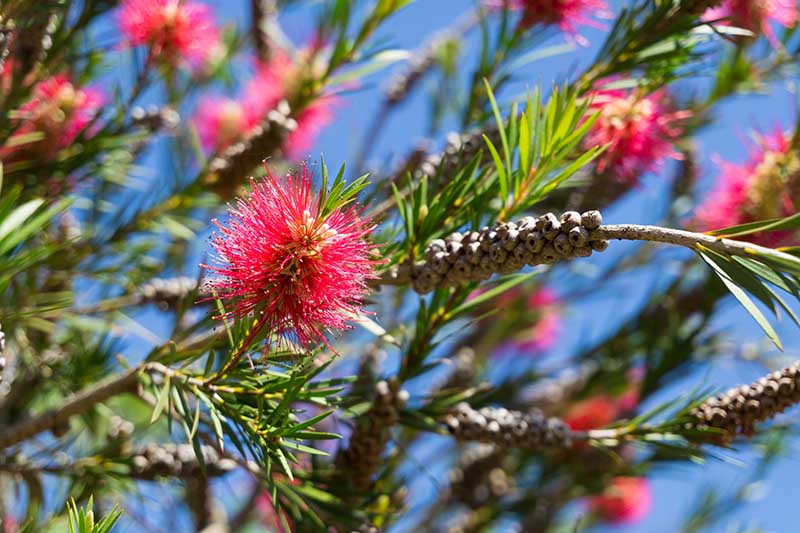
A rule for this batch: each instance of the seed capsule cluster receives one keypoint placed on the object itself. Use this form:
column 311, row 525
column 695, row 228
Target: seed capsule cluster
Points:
column 550, row 392
column 508, row 428
column 362, row 458
column 171, row 460
column 227, row 170
column 166, row 292
column 506, row 248
column 463, row 369
column 739, row 409
column 479, row 477
column 156, row 118
column 460, row 147
column 401, row 83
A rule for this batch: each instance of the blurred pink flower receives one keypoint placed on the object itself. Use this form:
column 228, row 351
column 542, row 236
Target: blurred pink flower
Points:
column 310, row 123
column 640, row 131
column 60, row 111
column 767, row 186
column 544, row 306
column 592, row 413
column 174, row 30
column 221, row 122
column 625, row 500
column 756, row 16
column 276, row 80
column 566, row 14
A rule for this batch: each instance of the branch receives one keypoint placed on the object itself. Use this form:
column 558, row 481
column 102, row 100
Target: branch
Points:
column 689, row 239
column 75, row 404
column 263, row 13
column 508, row 247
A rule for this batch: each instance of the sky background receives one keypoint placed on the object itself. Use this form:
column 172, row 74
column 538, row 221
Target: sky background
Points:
column 675, row 489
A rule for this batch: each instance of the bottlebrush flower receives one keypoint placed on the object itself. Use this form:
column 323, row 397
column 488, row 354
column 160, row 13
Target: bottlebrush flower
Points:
column 566, row 14
column 756, row 16
column 592, row 413
column 767, row 186
column 625, row 499
column 539, row 313
column 304, row 273
column 276, row 80
column 640, row 131
column 221, row 122
column 173, row 29
column 60, row 111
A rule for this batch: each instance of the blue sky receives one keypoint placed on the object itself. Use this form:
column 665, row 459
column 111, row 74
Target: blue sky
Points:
column 675, row 489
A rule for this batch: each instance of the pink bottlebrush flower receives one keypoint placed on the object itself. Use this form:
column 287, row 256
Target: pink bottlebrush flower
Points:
column 303, row 272
column 173, row 29
column 545, row 331
column 592, row 413
column 276, row 80
column 765, row 187
column 626, row 499
column 221, row 122
column 566, row 14
column 640, row 131
column 756, row 16
column 59, row 110
column 310, row 123
column 542, row 311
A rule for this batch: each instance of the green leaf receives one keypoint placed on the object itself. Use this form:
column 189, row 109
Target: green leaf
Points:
column 775, row 224
column 161, row 402
column 16, row 219
column 746, row 302
column 506, row 284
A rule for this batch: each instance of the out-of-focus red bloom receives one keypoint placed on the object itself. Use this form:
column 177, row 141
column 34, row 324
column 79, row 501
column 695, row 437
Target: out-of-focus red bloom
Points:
column 545, row 331
column 174, row 30
column 221, row 122
column 757, row 15
column 277, row 79
column 57, row 109
column 640, row 131
column 541, row 316
column 305, row 273
column 566, row 14
column 592, row 413
column 625, row 499
column 767, row 186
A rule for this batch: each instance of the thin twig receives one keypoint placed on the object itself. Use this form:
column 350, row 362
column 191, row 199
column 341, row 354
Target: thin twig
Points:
column 75, row 404
column 689, row 239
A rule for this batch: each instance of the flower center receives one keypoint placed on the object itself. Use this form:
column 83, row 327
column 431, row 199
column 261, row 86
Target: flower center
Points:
column 308, row 238
column 772, row 185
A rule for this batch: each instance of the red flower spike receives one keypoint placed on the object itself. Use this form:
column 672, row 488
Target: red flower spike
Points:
column 305, row 274
column 763, row 188
column 640, row 132
column 625, row 500
column 566, row 14
column 175, row 30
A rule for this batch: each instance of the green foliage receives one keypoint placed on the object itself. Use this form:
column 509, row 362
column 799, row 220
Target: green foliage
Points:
column 82, row 519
